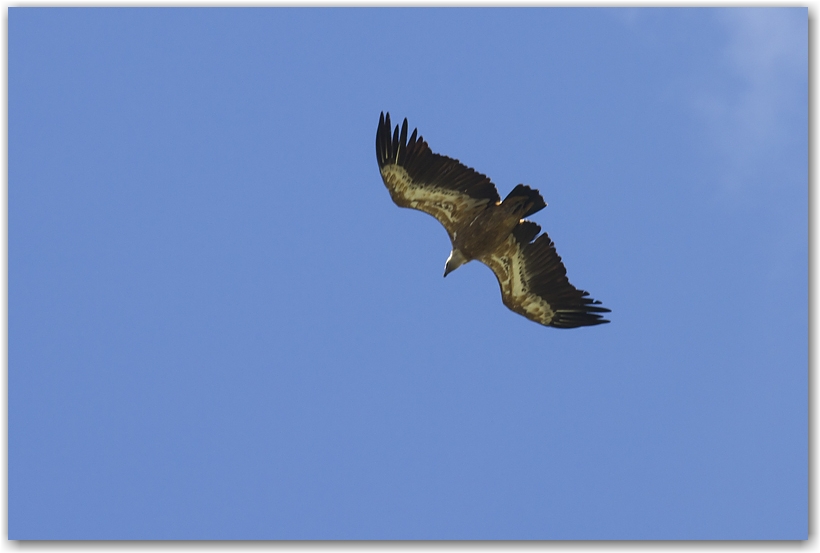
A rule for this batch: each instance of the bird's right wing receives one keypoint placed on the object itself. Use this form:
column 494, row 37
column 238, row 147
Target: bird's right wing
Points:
column 534, row 281
column 419, row 179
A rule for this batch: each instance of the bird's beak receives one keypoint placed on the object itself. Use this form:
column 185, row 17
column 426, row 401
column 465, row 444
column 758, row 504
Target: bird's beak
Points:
column 455, row 261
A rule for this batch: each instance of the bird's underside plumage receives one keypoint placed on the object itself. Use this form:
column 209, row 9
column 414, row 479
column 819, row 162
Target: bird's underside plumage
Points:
column 531, row 275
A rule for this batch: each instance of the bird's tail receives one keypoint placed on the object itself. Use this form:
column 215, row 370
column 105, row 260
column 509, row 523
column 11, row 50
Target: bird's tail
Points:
column 524, row 201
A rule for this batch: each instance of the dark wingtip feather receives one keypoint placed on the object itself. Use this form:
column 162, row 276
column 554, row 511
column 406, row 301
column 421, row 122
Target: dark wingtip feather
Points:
column 402, row 143
column 383, row 142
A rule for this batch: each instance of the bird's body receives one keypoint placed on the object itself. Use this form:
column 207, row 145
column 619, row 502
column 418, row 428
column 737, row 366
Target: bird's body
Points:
column 482, row 227
column 493, row 224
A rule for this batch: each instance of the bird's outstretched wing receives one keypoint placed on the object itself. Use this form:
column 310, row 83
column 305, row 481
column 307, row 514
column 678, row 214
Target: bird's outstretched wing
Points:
column 419, row 179
column 534, row 281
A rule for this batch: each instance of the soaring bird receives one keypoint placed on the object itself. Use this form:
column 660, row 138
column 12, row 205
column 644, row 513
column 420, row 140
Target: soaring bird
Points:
column 532, row 277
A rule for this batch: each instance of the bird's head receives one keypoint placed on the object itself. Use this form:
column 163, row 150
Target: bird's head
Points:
column 455, row 261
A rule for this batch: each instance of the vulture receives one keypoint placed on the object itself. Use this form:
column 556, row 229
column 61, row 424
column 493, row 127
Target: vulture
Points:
column 482, row 227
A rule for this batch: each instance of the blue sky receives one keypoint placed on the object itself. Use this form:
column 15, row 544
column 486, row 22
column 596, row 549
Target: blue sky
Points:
column 221, row 327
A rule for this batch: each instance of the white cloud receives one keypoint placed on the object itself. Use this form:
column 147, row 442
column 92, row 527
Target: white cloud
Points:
column 752, row 108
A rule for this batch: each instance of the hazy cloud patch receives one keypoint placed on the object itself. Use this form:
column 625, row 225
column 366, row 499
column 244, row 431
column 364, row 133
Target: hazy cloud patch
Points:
column 753, row 110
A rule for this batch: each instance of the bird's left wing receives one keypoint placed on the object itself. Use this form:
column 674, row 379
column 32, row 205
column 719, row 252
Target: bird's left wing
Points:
column 534, row 281
column 419, row 179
